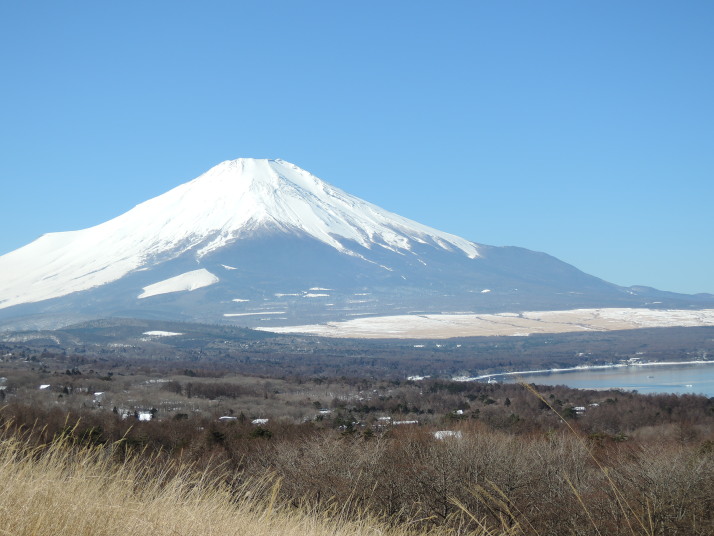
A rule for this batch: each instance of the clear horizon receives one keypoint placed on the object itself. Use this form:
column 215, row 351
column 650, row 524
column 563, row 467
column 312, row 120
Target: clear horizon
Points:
column 581, row 130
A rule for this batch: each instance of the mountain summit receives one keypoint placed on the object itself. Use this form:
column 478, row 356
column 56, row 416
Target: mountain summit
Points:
column 264, row 241
column 232, row 200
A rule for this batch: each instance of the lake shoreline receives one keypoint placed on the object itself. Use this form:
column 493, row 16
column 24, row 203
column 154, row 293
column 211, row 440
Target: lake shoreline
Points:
column 581, row 368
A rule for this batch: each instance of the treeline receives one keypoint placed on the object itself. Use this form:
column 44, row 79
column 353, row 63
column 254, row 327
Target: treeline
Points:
column 357, row 405
column 310, row 357
column 212, row 390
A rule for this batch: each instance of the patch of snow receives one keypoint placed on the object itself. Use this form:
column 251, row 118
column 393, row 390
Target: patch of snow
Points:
column 314, row 295
column 485, row 291
column 229, row 267
column 256, row 314
column 185, row 282
column 45, row 386
column 161, row 333
column 259, row 421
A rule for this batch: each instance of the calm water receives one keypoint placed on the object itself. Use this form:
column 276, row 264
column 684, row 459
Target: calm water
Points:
column 679, row 379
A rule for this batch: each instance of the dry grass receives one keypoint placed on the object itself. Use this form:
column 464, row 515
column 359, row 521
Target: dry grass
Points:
column 60, row 490
column 484, row 483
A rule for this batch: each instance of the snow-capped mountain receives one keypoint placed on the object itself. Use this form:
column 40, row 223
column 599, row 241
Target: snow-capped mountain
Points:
column 229, row 202
column 263, row 241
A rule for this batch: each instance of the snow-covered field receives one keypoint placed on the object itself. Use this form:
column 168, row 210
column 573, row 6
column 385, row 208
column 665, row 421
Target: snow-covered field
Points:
column 443, row 326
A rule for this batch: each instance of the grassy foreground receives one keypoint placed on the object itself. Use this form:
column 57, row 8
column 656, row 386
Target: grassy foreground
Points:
column 59, row 490
column 481, row 482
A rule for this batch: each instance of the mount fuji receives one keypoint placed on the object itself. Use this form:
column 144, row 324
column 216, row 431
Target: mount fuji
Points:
column 265, row 243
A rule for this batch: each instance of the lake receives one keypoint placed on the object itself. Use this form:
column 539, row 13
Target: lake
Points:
column 694, row 378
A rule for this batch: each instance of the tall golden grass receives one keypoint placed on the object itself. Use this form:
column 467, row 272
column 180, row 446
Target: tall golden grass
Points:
column 484, row 483
column 59, row 489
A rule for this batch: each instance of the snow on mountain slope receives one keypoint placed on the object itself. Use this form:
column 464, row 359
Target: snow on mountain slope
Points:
column 228, row 202
column 185, row 282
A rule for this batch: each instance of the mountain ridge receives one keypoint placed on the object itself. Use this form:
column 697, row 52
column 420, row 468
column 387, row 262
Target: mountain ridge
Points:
column 246, row 241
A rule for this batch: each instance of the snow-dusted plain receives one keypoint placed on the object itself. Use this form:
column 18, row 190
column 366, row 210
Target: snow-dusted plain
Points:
column 516, row 324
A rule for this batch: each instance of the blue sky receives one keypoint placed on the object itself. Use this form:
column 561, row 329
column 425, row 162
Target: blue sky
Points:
column 582, row 129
